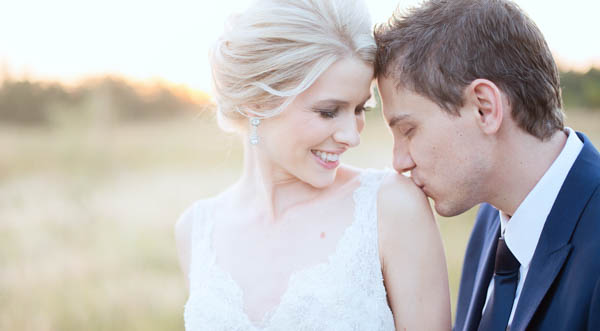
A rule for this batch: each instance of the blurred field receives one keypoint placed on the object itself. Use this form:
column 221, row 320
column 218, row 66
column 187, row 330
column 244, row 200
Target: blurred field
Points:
column 87, row 212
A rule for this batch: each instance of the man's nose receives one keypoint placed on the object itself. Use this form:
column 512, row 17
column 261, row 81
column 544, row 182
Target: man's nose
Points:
column 403, row 161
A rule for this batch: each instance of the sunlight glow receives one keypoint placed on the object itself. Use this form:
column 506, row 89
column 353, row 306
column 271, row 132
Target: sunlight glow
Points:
column 67, row 39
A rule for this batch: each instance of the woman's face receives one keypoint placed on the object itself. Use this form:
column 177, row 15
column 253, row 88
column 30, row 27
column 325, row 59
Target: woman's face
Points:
column 307, row 139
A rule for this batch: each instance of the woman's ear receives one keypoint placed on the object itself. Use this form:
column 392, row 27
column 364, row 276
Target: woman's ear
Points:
column 486, row 101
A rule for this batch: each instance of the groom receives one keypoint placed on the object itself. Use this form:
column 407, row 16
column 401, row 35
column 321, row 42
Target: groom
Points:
column 471, row 93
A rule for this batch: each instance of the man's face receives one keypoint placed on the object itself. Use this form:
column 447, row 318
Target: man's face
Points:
column 443, row 152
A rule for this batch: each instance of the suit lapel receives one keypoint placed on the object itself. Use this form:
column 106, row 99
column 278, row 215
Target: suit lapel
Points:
column 484, row 275
column 553, row 247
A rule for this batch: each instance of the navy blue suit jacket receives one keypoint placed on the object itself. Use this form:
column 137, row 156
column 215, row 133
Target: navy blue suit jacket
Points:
column 562, row 288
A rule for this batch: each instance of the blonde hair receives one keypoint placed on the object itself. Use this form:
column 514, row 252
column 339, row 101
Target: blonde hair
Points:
column 277, row 49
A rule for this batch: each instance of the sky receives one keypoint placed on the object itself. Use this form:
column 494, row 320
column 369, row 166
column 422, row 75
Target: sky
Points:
column 68, row 40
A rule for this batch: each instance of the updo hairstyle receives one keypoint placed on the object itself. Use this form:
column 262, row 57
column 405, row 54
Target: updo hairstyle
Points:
column 276, row 49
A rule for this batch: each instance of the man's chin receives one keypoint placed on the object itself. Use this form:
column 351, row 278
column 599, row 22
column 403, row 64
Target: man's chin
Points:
column 448, row 209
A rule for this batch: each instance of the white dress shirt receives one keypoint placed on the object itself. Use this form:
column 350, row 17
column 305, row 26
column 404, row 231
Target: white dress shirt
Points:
column 523, row 231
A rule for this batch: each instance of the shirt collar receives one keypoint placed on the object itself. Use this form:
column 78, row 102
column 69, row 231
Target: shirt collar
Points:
column 523, row 231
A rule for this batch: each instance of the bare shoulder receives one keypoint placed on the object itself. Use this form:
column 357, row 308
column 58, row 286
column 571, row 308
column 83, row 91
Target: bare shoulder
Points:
column 401, row 204
column 412, row 257
column 405, row 219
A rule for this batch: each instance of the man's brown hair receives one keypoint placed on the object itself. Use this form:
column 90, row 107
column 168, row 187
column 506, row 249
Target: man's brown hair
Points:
column 440, row 47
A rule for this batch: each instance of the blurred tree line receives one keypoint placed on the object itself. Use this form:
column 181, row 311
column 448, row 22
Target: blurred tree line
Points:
column 581, row 90
column 116, row 99
column 106, row 99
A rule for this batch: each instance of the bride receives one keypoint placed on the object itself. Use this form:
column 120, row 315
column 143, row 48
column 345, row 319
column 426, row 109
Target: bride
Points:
column 302, row 241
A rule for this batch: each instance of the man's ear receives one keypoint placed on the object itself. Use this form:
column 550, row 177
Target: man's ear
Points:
column 486, row 100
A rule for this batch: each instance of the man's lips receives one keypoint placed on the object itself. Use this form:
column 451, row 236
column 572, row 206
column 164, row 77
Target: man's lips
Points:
column 416, row 180
column 420, row 185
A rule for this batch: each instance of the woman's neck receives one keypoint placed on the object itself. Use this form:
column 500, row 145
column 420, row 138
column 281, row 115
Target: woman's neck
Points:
column 268, row 189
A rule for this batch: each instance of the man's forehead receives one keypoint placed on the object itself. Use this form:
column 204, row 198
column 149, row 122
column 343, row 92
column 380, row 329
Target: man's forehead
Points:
column 393, row 93
column 396, row 107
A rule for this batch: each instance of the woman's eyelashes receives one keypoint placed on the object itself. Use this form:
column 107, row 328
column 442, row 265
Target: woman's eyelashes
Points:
column 328, row 113
column 333, row 112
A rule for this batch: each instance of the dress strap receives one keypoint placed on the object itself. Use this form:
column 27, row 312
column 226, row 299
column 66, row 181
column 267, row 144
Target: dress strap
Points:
column 202, row 224
column 365, row 196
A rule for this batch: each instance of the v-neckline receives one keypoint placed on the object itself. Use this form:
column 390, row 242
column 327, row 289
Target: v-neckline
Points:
column 269, row 315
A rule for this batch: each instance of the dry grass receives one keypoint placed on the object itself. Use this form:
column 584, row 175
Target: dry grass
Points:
column 87, row 211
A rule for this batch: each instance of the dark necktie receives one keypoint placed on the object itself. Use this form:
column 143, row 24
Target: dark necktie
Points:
column 506, row 276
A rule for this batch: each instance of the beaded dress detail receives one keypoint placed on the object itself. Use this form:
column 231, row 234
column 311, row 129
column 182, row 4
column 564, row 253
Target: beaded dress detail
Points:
column 344, row 293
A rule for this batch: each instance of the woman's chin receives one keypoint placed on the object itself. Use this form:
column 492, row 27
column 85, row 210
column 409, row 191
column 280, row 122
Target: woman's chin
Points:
column 322, row 181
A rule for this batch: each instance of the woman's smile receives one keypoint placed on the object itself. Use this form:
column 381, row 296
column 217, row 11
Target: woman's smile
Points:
column 327, row 159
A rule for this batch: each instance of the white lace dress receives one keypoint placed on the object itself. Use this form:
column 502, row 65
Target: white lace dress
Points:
column 345, row 293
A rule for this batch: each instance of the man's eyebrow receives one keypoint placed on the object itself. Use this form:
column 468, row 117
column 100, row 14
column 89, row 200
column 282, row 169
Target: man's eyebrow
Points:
column 398, row 118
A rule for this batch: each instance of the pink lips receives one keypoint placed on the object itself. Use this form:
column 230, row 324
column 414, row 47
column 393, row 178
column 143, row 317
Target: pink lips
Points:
column 326, row 165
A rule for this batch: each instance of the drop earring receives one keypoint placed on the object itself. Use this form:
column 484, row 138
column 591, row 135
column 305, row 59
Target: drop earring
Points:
column 254, row 122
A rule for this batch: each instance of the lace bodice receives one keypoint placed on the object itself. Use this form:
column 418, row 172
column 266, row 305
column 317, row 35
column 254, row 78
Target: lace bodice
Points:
column 344, row 293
